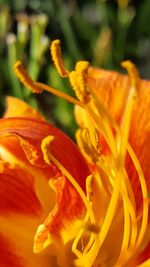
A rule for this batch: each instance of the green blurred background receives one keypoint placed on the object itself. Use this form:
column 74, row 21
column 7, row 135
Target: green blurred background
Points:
column 103, row 32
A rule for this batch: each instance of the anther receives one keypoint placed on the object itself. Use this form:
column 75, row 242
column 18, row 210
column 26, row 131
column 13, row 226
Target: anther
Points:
column 57, row 58
column 81, row 66
column 77, row 82
column 25, row 78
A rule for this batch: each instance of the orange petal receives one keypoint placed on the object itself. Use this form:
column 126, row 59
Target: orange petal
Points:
column 18, row 108
column 33, row 132
column 17, row 194
column 8, row 255
column 112, row 89
column 17, row 233
column 144, row 255
column 20, row 214
column 68, row 206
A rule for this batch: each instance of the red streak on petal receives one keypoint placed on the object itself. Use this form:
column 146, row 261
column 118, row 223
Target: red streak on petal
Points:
column 8, row 256
column 68, row 206
column 145, row 254
column 17, row 193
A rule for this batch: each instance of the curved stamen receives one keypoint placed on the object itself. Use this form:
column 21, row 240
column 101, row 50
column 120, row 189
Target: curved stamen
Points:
column 57, row 58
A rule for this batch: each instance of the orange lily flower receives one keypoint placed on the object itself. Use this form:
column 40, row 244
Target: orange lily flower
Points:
column 101, row 216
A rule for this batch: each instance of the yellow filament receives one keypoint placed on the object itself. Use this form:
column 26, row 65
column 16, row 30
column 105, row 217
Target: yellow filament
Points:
column 132, row 213
column 129, row 208
column 93, row 228
column 102, row 125
column 103, row 112
column 125, row 127
column 60, row 94
column 127, row 118
column 102, row 120
column 130, row 231
column 126, row 235
column 93, row 132
column 145, row 197
column 76, row 251
column 86, row 226
column 103, row 186
column 85, row 145
column 91, row 255
column 136, row 243
column 105, row 176
column 140, row 214
column 57, row 58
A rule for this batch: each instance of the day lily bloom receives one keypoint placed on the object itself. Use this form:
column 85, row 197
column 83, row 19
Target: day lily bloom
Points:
column 85, row 206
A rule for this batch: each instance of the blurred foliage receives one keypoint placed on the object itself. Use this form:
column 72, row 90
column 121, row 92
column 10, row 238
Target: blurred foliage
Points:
column 103, row 32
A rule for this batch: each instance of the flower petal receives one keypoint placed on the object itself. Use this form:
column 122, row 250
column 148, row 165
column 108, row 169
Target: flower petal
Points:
column 68, row 208
column 17, row 239
column 11, row 150
column 68, row 204
column 20, row 214
column 8, row 256
column 17, row 193
column 18, row 108
column 62, row 147
column 145, row 254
